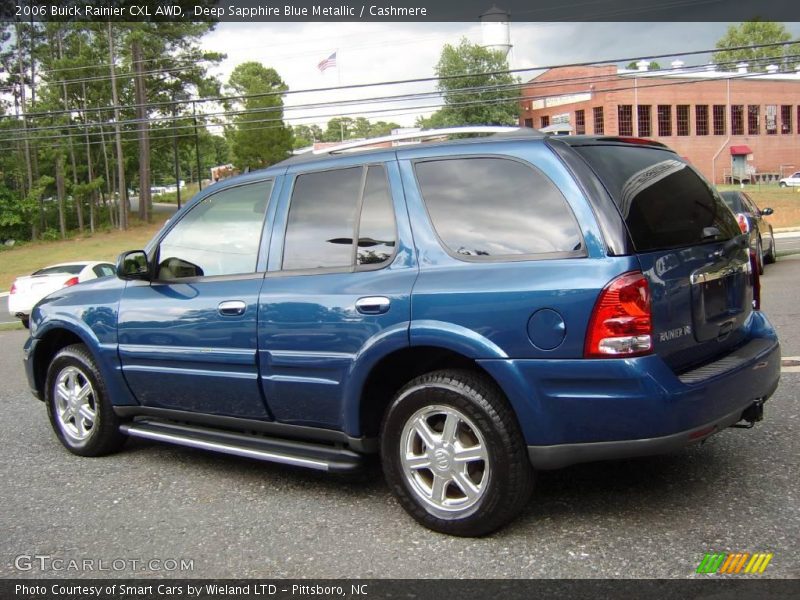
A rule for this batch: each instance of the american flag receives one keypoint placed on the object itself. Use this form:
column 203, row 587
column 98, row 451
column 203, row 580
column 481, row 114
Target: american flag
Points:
column 328, row 62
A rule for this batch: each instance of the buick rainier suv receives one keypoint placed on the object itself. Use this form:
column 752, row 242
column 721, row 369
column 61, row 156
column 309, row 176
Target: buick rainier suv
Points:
column 470, row 309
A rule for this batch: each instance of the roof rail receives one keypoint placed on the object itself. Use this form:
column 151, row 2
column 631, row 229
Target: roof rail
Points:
column 413, row 135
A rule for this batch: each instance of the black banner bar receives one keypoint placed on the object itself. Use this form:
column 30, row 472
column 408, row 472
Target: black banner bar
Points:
column 733, row 588
column 400, row 10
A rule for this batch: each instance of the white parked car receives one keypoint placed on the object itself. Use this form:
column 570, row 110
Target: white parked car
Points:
column 790, row 181
column 27, row 290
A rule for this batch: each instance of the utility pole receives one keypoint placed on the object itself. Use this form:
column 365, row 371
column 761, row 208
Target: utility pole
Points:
column 123, row 205
column 175, row 153
column 197, row 146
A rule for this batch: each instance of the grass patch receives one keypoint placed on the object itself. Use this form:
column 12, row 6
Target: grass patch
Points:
column 103, row 245
column 784, row 201
column 11, row 326
column 187, row 193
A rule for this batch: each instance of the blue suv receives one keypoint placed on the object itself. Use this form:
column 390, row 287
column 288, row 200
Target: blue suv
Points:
column 469, row 309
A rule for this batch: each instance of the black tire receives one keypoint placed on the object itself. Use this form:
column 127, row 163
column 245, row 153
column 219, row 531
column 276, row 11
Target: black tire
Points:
column 760, row 257
column 504, row 487
column 782, row 184
column 772, row 255
column 80, row 435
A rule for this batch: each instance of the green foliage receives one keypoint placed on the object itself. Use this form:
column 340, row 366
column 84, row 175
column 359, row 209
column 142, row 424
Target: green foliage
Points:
column 466, row 105
column 754, row 33
column 258, row 137
column 306, row 135
column 652, row 66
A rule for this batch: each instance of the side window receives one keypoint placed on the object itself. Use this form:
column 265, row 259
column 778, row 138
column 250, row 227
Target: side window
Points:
column 376, row 233
column 322, row 220
column 219, row 236
column 495, row 207
column 103, row 270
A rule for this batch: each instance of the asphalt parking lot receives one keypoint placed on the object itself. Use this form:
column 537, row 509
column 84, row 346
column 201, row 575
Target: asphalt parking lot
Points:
column 648, row 518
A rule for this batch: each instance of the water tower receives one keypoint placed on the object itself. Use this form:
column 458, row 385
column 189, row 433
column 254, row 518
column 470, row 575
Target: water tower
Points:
column 496, row 30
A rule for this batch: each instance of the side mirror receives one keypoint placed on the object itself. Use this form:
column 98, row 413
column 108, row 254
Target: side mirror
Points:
column 133, row 265
column 767, row 212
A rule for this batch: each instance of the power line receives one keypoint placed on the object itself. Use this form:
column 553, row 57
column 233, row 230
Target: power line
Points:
column 155, row 134
column 497, row 88
column 220, row 99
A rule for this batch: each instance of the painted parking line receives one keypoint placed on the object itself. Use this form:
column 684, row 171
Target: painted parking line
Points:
column 790, row 364
column 3, row 294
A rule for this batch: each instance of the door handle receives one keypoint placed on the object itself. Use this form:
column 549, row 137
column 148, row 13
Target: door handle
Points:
column 231, row 308
column 373, row 305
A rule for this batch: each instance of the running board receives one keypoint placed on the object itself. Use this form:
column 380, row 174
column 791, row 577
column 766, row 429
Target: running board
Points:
column 287, row 452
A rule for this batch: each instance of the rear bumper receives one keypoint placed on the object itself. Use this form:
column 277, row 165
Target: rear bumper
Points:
column 563, row 455
column 583, row 410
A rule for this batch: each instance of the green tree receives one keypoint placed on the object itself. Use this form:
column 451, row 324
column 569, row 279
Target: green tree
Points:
column 258, row 136
column 481, row 94
column 652, row 66
column 754, row 33
column 306, row 135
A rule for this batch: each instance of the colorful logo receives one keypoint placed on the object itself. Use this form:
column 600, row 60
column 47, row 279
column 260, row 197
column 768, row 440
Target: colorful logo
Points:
column 734, row 563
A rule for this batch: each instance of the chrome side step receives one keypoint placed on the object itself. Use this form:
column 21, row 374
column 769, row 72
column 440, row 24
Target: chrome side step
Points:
column 288, row 452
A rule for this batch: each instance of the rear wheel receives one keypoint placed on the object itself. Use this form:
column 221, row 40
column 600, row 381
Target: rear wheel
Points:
column 78, row 405
column 782, row 184
column 772, row 255
column 453, row 454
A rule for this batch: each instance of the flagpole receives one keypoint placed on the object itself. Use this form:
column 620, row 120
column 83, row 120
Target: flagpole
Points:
column 339, row 84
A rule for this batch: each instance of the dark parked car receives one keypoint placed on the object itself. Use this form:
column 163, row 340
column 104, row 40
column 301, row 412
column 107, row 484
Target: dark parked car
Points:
column 751, row 221
column 470, row 310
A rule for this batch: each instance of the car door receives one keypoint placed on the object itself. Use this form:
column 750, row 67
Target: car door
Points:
column 187, row 340
column 337, row 291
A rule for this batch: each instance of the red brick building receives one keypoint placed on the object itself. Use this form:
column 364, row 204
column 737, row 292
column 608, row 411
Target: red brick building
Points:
column 743, row 124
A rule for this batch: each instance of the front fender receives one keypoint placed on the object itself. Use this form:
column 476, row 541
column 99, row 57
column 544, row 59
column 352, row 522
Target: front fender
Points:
column 104, row 353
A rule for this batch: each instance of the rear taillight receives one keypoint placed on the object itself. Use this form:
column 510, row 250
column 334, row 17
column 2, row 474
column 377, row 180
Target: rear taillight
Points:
column 744, row 224
column 13, row 289
column 756, row 279
column 70, row 281
column 621, row 323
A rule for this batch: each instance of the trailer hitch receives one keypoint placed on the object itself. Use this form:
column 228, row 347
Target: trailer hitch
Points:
column 752, row 414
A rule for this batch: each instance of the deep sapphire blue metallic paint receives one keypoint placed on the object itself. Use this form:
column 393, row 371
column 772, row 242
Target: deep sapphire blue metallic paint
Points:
column 301, row 353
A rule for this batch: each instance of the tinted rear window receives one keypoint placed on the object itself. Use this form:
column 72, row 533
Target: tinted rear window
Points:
column 62, row 270
column 664, row 201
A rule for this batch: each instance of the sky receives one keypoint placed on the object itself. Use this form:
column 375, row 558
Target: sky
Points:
column 375, row 52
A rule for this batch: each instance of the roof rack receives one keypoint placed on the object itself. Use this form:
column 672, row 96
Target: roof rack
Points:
column 413, row 135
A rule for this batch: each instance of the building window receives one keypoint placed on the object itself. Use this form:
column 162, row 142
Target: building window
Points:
column 664, row 119
column 752, row 119
column 625, row 119
column 719, row 119
column 544, row 122
column 580, row 122
column 786, row 118
column 529, row 123
column 771, row 119
column 599, row 122
column 645, row 126
column 682, row 119
column 737, row 119
column 701, row 119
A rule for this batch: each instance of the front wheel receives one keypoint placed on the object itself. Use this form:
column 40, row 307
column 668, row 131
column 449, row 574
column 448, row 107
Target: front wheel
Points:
column 760, row 257
column 782, row 184
column 78, row 405
column 453, row 454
